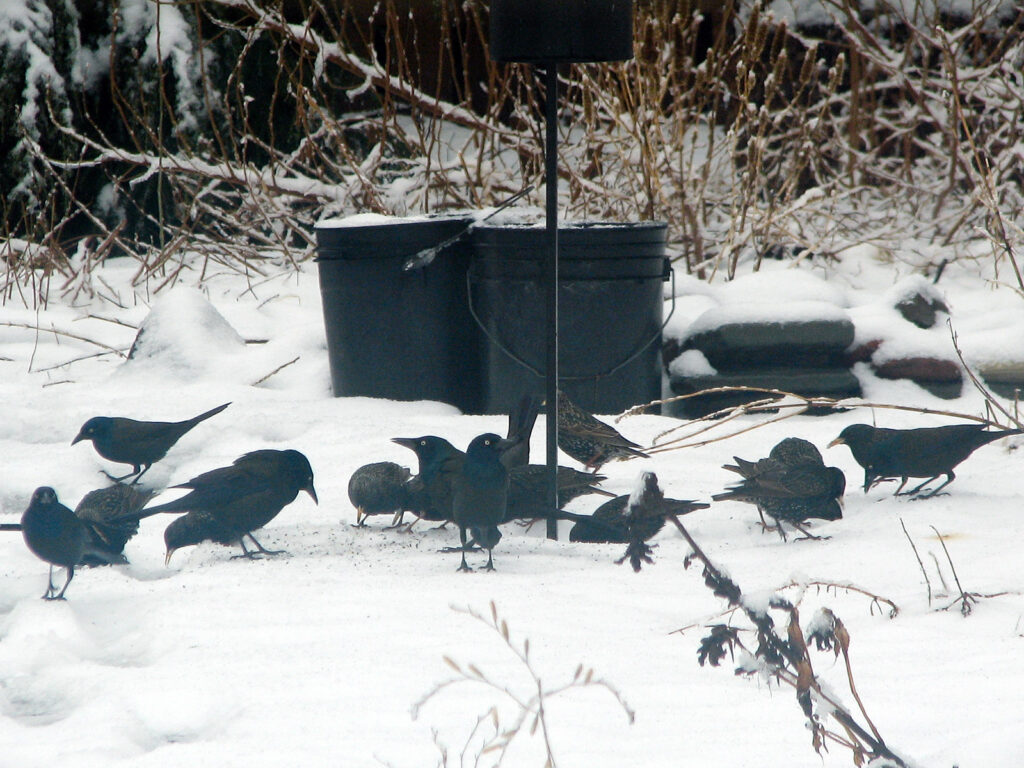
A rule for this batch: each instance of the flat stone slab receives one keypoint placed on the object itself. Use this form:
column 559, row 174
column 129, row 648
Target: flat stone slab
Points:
column 808, row 382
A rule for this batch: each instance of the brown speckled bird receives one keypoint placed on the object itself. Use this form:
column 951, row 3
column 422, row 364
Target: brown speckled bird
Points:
column 589, row 440
column 791, row 485
column 380, row 488
column 633, row 518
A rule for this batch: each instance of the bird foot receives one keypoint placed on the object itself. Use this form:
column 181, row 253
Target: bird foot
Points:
column 931, row 495
column 258, row 555
column 464, row 567
column 49, row 596
column 811, row 537
column 467, row 548
column 488, row 567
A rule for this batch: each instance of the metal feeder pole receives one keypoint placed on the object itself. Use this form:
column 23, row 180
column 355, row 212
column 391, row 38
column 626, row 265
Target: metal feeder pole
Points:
column 551, row 275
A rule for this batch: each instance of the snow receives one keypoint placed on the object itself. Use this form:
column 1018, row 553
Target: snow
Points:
column 319, row 657
column 691, row 362
column 761, row 312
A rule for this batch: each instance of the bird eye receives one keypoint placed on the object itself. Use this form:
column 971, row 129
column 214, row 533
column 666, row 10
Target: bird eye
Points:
column 423, row 443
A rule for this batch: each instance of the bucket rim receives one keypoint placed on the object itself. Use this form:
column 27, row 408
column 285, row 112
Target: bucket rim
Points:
column 365, row 222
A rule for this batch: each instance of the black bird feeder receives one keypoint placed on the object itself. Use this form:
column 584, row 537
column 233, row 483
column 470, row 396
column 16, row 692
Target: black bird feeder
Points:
column 547, row 33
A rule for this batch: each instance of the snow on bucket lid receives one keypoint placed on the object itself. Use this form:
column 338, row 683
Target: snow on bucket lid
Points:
column 384, row 220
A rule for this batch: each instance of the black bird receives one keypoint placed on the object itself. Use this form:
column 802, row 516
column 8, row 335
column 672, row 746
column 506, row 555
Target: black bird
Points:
column 927, row 452
column 480, row 494
column 106, row 513
column 139, row 443
column 227, row 504
column 430, row 492
column 589, row 440
column 428, row 495
column 380, row 488
column 56, row 535
column 791, row 485
column 638, row 515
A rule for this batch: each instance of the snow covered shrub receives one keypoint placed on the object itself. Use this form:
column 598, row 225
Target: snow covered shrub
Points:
column 231, row 126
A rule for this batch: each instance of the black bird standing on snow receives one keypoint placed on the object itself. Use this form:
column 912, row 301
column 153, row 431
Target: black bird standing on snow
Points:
column 380, row 488
column 480, row 494
column 429, row 494
column 927, row 452
column 56, row 535
column 227, row 504
column 139, row 443
column 791, row 485
column 589, row 440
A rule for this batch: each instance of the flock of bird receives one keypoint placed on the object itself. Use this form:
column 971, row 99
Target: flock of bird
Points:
column 488, row 485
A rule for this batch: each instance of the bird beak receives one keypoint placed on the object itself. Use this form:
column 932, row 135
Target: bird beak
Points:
column 78, row 438
column 837, row 441
column 405, row 442
column 504, row 444
column 312, row 492
column 167, row 557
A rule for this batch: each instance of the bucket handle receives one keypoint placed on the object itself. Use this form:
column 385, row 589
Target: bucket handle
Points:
column 533, row 369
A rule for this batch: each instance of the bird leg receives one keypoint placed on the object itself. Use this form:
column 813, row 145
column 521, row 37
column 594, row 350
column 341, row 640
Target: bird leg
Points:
column 913, row 491
column 135, row 471
column 252, row 555
column 949, row 479
column 462, row 535
column 396, row 521
column 807, row 535
column 139, row 476
column 490, row 560
column 49, row 592
column 50, row 589
column 764, row 524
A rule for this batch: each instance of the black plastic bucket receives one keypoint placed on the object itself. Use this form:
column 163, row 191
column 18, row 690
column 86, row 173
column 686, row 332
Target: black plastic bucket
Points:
column 609, row 315
column 402, row 335
column 561, row 30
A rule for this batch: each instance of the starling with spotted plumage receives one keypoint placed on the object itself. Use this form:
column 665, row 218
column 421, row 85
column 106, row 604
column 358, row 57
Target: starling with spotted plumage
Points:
column 107, row 514
column 632, row 518
column 589, row 440
column 791, row 485
column 380, row 488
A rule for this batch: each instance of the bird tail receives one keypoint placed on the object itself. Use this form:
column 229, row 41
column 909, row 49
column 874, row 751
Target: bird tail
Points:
column 100, row 555
column 741, row 467
column 676, row 507
column 204, row 416
column 142, row 514
column 521, row 420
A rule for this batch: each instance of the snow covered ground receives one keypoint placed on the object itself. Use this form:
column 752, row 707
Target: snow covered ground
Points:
column 319, row 657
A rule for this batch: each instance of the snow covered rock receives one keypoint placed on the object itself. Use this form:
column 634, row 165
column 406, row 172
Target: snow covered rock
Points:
column 184, row 333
